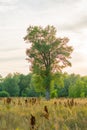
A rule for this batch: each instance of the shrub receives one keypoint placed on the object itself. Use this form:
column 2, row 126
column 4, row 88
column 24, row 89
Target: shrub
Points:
column 4, row 94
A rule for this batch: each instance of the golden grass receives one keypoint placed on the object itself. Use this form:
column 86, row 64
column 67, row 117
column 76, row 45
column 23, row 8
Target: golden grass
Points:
column 39, row 114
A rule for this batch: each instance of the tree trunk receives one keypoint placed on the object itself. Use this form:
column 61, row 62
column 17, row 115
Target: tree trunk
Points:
column 48, row 80
column 47, row 94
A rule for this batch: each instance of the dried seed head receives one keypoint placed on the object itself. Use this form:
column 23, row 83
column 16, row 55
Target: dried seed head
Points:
column 46, row 109
column 8, row 100
column 32, row 121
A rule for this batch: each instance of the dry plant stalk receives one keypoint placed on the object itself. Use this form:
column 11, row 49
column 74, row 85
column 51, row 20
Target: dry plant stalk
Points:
column 45, row 113
column 32, row 121
column 8, row 100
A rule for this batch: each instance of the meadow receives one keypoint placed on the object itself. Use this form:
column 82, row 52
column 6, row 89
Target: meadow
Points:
column 39, row 114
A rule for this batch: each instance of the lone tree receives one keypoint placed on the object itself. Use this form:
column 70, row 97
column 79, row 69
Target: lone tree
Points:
column 47, row 53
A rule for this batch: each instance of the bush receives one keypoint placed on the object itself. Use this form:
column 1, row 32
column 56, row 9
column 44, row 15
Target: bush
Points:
column 4, row 94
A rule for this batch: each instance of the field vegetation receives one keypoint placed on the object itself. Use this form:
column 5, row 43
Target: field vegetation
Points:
column 40, row 114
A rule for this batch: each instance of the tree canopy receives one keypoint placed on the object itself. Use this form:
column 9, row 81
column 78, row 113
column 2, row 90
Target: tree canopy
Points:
column 47, row 53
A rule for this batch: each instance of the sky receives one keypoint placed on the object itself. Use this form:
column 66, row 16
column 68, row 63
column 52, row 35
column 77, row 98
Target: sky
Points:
column 68, row 16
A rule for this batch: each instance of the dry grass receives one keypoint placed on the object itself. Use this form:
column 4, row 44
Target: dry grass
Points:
column 39, row 114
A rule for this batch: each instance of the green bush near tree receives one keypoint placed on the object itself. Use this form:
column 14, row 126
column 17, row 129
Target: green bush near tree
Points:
column 4, row 94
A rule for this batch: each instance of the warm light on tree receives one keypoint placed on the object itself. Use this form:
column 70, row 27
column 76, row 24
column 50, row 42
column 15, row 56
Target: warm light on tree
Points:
column 47, row 53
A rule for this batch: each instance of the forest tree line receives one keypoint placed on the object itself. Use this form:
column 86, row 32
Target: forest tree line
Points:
column 32, row 85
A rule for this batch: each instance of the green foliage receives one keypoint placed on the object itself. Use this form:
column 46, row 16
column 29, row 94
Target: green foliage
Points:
column 31, row 92
column 54, row 93
column 4, row 94
column 77, row 90
column 11, row 85
column 47, row 53
column 32, row 85
column 1, row 86
column 24, row 83
column 38, row 83
column 57, row 84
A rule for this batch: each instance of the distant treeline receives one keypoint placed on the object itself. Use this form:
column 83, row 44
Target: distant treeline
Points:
column 31, row 85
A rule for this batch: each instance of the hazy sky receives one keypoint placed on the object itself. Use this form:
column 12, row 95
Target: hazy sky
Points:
column 68, row 16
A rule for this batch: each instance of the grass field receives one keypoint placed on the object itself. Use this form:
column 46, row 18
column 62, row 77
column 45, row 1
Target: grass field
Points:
column 39, row 114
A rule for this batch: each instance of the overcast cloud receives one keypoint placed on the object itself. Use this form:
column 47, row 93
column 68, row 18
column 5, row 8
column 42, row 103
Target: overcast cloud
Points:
column 68, row 16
